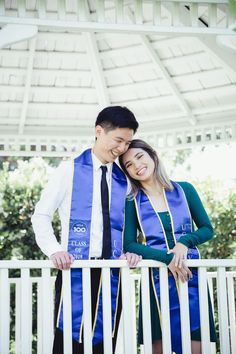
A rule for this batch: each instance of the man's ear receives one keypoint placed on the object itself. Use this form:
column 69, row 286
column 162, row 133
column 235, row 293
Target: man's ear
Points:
column 98, row 130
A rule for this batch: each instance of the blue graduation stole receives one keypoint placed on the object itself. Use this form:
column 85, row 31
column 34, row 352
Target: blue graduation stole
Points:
column 155, row 237
column 79, row 240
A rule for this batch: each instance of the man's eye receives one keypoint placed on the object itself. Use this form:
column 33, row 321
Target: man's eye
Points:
column 139, row 156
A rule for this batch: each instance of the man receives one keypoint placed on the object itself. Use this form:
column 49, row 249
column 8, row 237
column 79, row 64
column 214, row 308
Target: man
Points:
column 89, row 193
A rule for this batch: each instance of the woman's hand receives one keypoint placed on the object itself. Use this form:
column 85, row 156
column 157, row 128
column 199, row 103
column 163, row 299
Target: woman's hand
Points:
column 131, row 258
column 180, row 251
column 183, row 273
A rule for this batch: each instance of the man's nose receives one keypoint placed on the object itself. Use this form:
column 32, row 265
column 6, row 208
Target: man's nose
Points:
column 122, row 148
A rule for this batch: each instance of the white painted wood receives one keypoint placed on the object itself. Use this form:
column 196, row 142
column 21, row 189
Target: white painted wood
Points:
column 204, row 312
column 82, row 10
column 212, row 10
column 47, row 319
column 138, row 11
column 157, row 12
column 231, row 310
column 146, row 315
column 165, row 311
column 61, row 9
column 154, row 57
column 106, row 308
column 113, row 27
column 11, row 33
column 127, row 310
column 27, row 86
column 100, row 7
column 184, row 317
column 21, row 8
column 41, row 8
column 223, row 311
column 41, row 264
column 175, row 14
column 119, row 4
column 194, row 14
column 179, row 97
column 67, row 316
column 135, row 286
column 40, row 316
column 18, row 315
column 2, row 8
column 87, row 311
column 4, row 312
column 97, row 70
column 26, row 312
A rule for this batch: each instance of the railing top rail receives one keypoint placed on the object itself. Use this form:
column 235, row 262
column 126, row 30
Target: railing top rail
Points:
column 20, row 264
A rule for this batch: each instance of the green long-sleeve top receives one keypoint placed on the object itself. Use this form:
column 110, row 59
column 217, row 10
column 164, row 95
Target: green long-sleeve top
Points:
column 203, row 233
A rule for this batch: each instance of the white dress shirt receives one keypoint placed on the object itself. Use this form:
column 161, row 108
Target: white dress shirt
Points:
column 57, row 195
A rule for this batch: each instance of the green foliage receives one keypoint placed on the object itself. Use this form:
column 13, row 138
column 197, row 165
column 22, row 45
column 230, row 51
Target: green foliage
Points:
column 221, row 208
column 232, row 7
column 19, row 191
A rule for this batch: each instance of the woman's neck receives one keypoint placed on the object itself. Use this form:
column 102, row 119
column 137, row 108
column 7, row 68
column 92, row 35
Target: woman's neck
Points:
column 152, row 187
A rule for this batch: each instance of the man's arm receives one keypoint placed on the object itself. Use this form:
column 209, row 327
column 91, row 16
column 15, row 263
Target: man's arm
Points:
column 51, row 198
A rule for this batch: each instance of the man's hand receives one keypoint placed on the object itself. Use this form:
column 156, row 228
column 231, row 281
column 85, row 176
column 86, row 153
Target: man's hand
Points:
column 180, row 251
column 131, row 258
column 62, row 260
column 183, row 273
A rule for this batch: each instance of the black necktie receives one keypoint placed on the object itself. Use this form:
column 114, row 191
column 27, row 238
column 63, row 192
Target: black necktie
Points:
column 106, row 243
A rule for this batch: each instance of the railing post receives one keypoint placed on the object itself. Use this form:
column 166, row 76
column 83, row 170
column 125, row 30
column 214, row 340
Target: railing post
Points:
column 165, row 311
column 223, row 311
column 26, row 311
column 127, row 312
column 4, row 311
column 184, row 317
column 232, row 317
column 106, row 308
column 18, row 315
column 39, row 317
column 67, row 322
column 146, row 316
column 204, row 310
column 87, row 311
column 47, row 311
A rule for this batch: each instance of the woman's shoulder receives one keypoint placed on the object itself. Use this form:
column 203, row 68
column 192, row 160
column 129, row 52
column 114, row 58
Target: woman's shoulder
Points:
column 187, row 187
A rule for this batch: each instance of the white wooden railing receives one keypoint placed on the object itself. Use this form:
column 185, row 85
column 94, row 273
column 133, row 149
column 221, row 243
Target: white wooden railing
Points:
column 149, row 16
column 221, row 282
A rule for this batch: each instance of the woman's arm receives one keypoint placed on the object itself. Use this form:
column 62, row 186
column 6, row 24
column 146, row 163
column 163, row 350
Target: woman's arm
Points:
column 130, row 238
column 204, row 230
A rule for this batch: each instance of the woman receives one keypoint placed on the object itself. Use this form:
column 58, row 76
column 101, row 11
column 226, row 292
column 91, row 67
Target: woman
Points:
column 164, row 212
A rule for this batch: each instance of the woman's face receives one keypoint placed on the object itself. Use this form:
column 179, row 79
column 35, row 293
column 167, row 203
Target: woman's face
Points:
column 139, row 164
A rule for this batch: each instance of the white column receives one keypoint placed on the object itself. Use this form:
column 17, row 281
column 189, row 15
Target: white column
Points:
column 204, row 310
column 26, row 312
column 67, row 317
column 146, row 316
column 106, row 310
column 127, row 312
column 223, row 311
column 87, row 311
column 232, row 316
column 165, row 311
column 47, row 311
column 184, row 317
column 4, row 311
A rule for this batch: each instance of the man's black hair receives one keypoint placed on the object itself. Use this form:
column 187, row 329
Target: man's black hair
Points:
column 113, row 117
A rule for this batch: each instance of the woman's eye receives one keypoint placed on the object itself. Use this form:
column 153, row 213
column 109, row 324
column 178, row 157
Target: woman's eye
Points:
column 139, row 156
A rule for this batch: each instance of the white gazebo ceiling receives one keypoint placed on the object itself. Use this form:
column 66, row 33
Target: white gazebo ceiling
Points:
column 159, row 58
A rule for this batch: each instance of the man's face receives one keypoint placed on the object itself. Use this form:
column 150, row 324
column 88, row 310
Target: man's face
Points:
column 111, row 144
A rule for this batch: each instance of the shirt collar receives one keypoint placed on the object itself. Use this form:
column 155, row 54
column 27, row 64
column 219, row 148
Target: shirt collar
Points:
column 97, row 164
